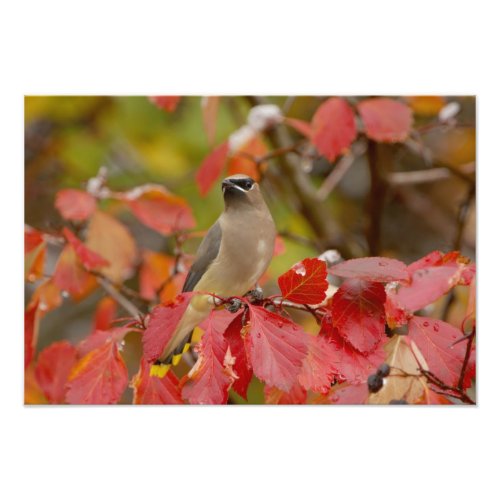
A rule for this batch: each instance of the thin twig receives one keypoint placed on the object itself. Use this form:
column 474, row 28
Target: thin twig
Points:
column 336, row 175
column 121, row 299
column 466, row 359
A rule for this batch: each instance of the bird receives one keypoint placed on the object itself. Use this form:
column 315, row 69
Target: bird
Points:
column 232, row 257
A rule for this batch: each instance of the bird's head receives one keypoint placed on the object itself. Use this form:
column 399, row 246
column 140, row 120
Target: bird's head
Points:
column 240, row 189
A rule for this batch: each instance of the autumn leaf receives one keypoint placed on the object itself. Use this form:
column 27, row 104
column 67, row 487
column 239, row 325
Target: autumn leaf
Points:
column 276, row 346
column 89, row 259
column 380, row 269
column 297, row 395
column 69, row 274
column 241, row 366
column 209, row 107
column 52, row 369
column 112, row 240
column 166, row 102
column 430, row 278
column 305, row 282
column 99, row 337
column 358, row 313
column 34, row 254
column 158, row 209
column 211, row 376
column 75, row 205
column 426, row 105
column 405, row 382
column 47, row 295
column 161, row 326
column 154, row 390
column 211, row 168
column 350, row 364
column 100, row 377
column 33, row 394
column 386, row 120
column 333, row 128
column 242, row 161
column 319, row 368
column 436, row 341
column 31, row 326
column 104, row 314
column 349, row 394
column 154, row 272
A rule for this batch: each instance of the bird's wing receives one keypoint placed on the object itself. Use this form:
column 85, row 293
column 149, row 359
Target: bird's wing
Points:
column 207, row 252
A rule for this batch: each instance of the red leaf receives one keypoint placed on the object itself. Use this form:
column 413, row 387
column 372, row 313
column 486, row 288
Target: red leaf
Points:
column 347, row 394
column 31, row 324
column 69, row 274
column 53, row 367
column 300, row 126
column 161, row 326
column 211, row 168
column 319, row 367
column 209, row 107
column 211, row 376
column 100, row 377
column 379, row 269
column 305, row 282
column 105, row 313
column 358, row 313
column 434, row 338
column 241, row 366
column 99, row 337
column 160, row 210
column 90, row 259
column 154, row 390
column 431, row 277
column 277, row 347
column 32, row 239
column 165, row 102
column 333, row 128
column 386, row 120
column 351, row 365
column 297, row 395
column 75, row 205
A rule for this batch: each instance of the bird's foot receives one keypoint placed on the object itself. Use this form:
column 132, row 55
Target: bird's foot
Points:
column 233, row 305
column 256, row 295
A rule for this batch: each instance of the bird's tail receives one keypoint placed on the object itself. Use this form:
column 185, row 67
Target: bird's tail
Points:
column 161, row 367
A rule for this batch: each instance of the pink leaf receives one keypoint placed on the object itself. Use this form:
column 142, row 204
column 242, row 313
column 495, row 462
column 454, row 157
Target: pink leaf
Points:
column 379, row 269
column 386, row 120
column 333, row 128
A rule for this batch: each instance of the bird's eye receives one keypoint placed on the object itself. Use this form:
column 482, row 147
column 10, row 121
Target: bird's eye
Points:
column 247, row 185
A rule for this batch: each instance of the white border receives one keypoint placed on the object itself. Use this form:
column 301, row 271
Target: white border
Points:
column 388, row 47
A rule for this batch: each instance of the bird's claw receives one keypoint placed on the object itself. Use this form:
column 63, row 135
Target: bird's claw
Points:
column 256, row 295
column 233, row 305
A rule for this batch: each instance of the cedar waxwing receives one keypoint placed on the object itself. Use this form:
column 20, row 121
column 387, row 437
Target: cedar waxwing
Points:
column 232, row 257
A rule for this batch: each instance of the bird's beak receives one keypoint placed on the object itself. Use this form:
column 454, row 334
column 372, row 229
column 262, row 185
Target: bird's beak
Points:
column 227, row 184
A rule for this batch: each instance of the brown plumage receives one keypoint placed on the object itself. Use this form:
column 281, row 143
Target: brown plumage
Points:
column 230, row 260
